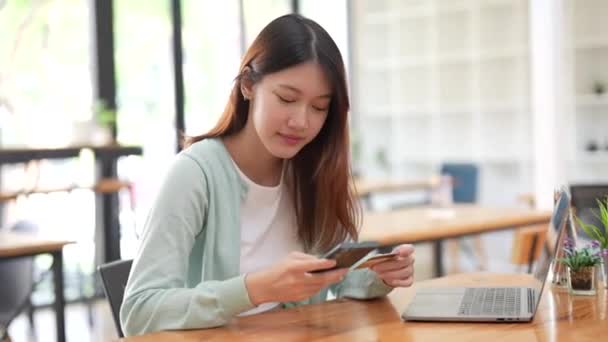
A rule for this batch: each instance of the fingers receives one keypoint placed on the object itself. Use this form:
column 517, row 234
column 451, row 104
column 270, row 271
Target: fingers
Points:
column 392, row 265
column 311, row 264
column 402, row 277
column 329, row 277
column 404, row 250
column 400, row 282
column 399, row 274
column 302, row 256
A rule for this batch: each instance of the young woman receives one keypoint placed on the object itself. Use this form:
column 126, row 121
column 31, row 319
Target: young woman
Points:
column 246, row 208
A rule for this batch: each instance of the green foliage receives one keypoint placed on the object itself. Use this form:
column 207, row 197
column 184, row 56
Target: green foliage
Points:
column 595, row 232
column 105, row 115
column 580, row 258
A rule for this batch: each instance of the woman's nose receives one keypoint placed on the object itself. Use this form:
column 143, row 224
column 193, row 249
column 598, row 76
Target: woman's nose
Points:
column 299, row 118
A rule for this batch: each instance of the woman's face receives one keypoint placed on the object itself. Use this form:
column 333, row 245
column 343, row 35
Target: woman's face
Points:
column 289, row 108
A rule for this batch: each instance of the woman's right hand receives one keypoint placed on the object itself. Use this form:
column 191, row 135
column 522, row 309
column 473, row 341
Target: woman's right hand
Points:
column 290, row 280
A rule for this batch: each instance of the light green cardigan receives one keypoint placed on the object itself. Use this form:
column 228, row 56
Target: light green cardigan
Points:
column 186, row 272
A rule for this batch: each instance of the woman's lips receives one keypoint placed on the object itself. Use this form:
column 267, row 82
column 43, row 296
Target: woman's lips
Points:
column 291, row 139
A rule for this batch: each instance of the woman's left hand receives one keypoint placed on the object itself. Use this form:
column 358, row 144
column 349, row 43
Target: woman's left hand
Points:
column 398, row 272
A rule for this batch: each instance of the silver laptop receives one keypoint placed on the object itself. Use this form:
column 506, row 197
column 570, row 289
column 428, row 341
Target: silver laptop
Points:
column 492, row 304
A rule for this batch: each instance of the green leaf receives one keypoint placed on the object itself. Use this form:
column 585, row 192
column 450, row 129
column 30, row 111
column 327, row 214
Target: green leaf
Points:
column 603, row 212
column 590, row 229
column 581, row 258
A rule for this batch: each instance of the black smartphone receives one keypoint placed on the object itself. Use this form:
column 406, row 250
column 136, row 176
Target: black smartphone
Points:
column 347, row 254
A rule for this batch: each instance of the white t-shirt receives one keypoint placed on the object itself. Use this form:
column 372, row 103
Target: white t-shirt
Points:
column 268, row 229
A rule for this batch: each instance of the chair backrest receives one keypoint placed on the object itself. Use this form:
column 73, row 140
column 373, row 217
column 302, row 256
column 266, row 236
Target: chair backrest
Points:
column 464, row 181
column 16, row 284
column 114, row 276
column 16, row 279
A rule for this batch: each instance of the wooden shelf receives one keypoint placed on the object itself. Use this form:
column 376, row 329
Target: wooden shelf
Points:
column 426, row 11
column 592, row 100
column 516, row 105
column 421, row 112
column 591, row 43
column 598, row 157
column 24, row 155
column 104, row 186
column 443, row 82
column 400, row 112
column 445, row 58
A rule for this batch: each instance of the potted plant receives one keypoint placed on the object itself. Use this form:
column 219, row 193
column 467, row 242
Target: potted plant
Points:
column 599, row 236
column 581, row 265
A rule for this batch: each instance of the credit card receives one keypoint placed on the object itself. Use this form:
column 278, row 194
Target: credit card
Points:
column 376, row 259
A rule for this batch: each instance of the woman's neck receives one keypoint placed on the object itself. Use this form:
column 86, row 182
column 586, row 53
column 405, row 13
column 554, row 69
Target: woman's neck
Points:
column 253, row 159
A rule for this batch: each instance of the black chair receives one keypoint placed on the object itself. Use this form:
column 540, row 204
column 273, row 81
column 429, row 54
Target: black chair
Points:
column 17, row 282
column 16, row 285
column 114, row 276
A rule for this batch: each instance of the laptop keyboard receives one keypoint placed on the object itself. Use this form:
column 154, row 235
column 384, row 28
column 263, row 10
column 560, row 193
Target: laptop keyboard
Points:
column 502, row 301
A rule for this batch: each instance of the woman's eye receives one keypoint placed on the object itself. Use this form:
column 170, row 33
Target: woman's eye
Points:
column 285, row 99
column 321, row 107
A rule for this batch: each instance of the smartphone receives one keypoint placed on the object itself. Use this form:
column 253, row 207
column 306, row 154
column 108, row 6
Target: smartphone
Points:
column 347, row 254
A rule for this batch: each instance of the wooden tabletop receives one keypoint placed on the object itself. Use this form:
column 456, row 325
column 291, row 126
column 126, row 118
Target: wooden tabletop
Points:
column 560, row 317
column 13, row 244
column 421, row 224
column 365, row 187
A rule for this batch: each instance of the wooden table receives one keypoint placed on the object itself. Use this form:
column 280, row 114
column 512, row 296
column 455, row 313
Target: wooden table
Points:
column 13, row 245
column 366, row 187
column 106, row 204
column 426, row 224
column 560, row 317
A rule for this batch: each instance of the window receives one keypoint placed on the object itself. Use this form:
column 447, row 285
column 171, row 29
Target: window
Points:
column 212, row 51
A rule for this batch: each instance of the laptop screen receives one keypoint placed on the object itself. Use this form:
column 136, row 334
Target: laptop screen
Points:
column 555, row 234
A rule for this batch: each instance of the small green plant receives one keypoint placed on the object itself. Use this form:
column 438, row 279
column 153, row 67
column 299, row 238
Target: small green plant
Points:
column 576, row 259
column 594, row 232
column 105, row 115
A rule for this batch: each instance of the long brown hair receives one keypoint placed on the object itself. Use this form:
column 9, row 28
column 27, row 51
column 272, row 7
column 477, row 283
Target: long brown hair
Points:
column 326, row 209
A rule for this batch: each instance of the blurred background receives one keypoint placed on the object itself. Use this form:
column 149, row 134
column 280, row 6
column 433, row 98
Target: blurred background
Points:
column 94, row 93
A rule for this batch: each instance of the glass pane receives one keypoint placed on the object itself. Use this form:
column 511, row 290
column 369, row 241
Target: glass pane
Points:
column 333, row 16
column 258, row 13
column 145, row 101
column 46, row 94
column 211, row 60
column 45, row 71
column 144, row 74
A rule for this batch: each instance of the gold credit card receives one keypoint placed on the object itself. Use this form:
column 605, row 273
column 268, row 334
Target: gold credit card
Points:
column 376, row 259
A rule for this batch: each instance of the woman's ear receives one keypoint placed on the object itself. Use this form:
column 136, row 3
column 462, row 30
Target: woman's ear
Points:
column 246, row 83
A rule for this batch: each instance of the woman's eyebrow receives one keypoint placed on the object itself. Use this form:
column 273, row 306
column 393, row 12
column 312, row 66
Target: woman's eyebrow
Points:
column 294, row 89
